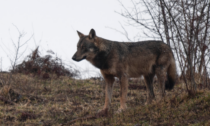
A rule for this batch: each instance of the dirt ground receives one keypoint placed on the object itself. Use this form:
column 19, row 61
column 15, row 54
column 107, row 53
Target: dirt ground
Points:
column 27, row 100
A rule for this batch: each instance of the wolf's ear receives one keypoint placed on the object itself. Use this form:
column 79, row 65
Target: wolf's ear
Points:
column 80, row 34
column 92, row 34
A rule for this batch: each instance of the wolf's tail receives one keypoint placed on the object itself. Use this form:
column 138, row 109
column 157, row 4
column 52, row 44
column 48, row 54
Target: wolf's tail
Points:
column 171, row 76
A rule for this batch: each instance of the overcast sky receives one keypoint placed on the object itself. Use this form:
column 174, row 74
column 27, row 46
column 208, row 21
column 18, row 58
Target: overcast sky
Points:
column 54, row 24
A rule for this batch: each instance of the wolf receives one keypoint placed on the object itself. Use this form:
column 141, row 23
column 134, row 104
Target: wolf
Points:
column 125, row 60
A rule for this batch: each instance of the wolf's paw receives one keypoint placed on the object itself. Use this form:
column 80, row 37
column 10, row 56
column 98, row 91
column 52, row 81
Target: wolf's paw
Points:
column 120, row 110
column 102, row 112
column 148, row 102
column 160, row 100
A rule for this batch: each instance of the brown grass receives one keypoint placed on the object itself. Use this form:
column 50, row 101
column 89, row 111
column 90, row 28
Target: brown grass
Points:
column 58, row 102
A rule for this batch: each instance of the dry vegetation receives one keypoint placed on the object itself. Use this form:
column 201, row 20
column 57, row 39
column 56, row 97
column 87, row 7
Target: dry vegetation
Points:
column 43, row 66
column 30, row 100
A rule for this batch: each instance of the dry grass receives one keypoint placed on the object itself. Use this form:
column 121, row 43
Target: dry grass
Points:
column 57, row 102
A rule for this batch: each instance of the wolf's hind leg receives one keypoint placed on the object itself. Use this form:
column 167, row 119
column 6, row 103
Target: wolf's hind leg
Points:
column 161, row 75
column 149, row 85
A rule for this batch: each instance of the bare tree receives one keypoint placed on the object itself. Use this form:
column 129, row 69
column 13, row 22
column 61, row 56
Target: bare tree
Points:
column 183, row 25
column 17, row 52
column 18, row 45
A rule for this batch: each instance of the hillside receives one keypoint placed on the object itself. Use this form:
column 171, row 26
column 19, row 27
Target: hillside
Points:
column 66, row 101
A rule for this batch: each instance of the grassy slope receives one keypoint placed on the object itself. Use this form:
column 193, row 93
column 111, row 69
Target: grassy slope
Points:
column 56, row 102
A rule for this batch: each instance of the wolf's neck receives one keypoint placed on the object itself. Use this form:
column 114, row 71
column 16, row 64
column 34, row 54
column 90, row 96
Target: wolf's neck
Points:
column 105, row 45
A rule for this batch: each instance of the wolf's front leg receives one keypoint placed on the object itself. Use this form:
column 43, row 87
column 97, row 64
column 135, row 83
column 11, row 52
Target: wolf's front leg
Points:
column 108, row 94
column 123, row 92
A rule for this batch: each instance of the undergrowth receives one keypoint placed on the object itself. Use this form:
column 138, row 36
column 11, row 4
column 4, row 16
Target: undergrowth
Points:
column 29, row 100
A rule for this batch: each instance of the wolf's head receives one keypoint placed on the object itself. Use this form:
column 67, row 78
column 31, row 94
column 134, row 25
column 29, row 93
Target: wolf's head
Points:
column 86, row 47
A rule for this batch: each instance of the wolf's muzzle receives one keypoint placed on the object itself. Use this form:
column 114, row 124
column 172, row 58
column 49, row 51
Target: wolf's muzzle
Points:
column 76, row 59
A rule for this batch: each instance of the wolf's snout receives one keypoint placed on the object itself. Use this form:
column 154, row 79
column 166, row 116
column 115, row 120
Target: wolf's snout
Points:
column 74, row 58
